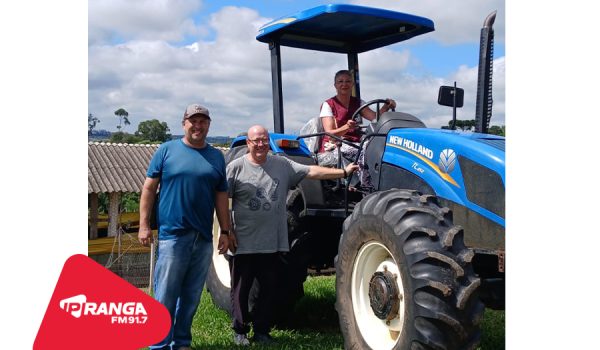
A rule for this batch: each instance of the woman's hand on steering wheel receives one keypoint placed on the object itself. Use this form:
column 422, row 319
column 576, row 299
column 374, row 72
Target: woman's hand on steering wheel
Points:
column 352, row 124
column 389, row 102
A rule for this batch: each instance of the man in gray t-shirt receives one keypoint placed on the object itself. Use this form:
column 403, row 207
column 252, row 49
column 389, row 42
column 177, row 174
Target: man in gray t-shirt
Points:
column 259, row 202
column 258, row 186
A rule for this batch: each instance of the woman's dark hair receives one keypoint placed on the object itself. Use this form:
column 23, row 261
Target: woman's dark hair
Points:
column 342, row 72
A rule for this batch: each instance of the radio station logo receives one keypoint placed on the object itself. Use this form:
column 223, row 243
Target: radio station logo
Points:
column 122, row 313
column 84, row 313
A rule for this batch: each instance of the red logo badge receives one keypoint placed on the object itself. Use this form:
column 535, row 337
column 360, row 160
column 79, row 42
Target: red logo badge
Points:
column 92, row 308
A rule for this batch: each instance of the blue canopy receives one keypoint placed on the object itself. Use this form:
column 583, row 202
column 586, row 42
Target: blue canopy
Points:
column 344, row 28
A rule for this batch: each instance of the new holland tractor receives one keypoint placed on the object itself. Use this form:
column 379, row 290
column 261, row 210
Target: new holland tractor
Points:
column 417, row 260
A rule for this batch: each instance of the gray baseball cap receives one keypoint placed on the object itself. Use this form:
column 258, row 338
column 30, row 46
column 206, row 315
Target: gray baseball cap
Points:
column 194, row 109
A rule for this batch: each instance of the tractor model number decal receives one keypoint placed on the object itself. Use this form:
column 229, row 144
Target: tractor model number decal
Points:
column 426, row 155
column 418, row 168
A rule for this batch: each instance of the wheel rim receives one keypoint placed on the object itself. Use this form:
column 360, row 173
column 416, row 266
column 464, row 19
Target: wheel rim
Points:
column 372, row 261
column 220, row 264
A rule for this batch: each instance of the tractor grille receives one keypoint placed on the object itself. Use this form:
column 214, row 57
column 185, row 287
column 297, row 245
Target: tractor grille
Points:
column 484, row 186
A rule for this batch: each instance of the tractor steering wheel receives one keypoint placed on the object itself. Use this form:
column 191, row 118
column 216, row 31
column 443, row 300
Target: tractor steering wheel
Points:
column 356, row 116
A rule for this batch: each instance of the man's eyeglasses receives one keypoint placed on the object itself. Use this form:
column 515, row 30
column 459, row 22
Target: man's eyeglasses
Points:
column 258, row 142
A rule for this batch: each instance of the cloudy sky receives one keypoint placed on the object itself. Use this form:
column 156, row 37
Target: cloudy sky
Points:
column 153, row 60
column 153, row 57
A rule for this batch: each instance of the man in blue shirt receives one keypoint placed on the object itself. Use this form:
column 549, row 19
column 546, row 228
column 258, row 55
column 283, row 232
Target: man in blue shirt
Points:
column 193, row 184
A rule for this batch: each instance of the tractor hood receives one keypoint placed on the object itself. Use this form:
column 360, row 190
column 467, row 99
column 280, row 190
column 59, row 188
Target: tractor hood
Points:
column 464, row 167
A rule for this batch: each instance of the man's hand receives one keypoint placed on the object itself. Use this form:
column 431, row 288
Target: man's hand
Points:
column 145, row 236
column 350, row 168
column 223, row 244
column 232, row 242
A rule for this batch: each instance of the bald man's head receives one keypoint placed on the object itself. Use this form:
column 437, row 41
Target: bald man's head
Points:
column 258, row 143
column 257, row 130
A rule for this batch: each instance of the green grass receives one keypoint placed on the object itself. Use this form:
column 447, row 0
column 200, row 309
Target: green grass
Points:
column 492, row 328
column 314, row 325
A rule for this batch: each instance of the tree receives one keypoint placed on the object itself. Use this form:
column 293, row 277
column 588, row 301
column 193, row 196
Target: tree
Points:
column 123, row 137
column 122, row 114
column 153, row 131
column 129, row 202
column 462, row 124
column 92, row 121
column 497, row 130
column 470, row 125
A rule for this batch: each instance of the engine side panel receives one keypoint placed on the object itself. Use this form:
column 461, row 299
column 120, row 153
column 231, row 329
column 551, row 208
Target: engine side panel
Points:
column 479, row 231
column 433, row 155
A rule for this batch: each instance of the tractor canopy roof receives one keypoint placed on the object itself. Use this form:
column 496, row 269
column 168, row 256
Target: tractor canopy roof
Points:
column 343, row 28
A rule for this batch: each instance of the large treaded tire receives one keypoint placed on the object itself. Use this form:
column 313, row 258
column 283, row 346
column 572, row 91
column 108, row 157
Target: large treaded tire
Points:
column 409, row 236
column 294, row 264
column 218, row 279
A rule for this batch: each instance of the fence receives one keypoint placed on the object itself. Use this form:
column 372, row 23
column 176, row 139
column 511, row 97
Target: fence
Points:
column 126, row 257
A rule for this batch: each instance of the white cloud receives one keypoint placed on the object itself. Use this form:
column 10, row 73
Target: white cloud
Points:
column 141, row 19
column 230, row 73
column 153, row 79
column 454, row 20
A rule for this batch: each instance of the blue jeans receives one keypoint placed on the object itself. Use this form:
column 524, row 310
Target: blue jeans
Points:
column 179, row 277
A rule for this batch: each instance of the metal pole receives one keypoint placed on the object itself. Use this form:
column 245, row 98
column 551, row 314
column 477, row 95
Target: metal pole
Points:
column 150, row 284
column 277, row 90
column 454, row 107
column 353, row 68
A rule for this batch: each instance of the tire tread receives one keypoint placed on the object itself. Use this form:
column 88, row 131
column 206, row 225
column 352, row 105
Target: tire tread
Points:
column 441, row 285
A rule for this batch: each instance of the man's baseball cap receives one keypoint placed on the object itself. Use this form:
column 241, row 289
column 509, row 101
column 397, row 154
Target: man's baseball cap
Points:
column 194, row 109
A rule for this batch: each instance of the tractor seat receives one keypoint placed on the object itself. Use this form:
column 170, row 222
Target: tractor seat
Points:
column 394, row 120
column 313, row 126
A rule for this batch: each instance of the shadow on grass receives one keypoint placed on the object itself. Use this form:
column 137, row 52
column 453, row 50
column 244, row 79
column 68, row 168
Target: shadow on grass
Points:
column 314, row 313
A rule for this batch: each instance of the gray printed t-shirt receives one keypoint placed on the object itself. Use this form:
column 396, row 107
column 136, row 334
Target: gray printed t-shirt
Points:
column 259, row 195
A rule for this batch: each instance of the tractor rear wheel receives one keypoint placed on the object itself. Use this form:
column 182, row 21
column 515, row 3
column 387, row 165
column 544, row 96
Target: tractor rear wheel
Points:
column 404, row 278
column 218, row 279
column 294, row 264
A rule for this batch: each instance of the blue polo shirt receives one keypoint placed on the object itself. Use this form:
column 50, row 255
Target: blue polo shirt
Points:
column 189, row 179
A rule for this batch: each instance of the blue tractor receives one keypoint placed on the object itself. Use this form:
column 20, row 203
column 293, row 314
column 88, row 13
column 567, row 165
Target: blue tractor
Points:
column 418, row 259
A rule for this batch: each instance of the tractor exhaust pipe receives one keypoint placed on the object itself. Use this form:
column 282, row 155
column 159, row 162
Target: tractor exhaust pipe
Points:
column 483, row 107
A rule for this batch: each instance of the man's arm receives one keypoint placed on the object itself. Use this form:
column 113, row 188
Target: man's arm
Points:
column 222, row 210
column 146, row 204
column 323, row 173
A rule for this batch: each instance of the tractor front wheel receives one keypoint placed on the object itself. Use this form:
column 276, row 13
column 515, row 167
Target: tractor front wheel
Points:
column 404, row 278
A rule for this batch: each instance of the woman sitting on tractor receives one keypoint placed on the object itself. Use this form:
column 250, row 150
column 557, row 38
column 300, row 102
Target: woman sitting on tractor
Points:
column 335, row 117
